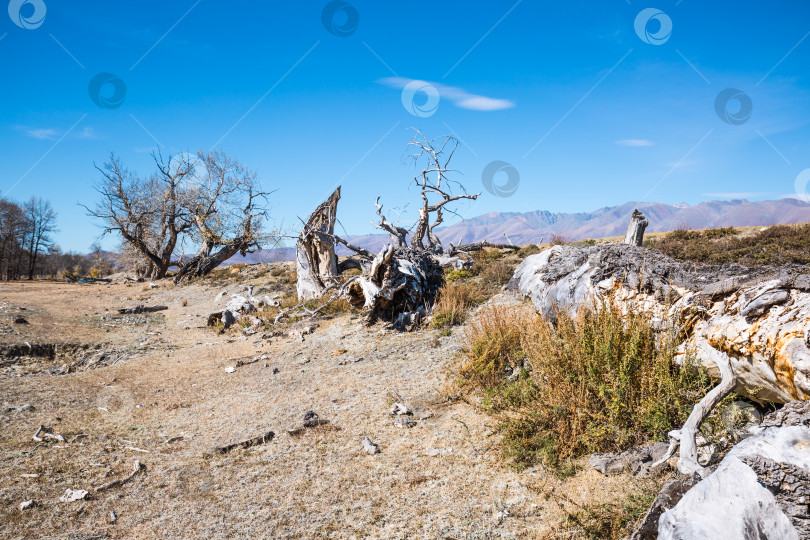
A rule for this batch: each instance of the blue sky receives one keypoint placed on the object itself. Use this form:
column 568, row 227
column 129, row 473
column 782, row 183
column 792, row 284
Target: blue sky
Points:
column 583, row 108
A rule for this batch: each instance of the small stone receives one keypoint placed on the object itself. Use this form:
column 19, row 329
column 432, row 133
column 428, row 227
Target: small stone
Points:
column 404, row 422
column 400, row 409
column 311, row 419
column 113, row 517
column 275, row 370
column 26, row 408
column 230, row 369
column 369, row 446
column 71, row 495
column 25, row 505
column 20, row 320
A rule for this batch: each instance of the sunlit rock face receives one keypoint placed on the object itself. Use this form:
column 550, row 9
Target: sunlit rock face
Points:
column 759, row 317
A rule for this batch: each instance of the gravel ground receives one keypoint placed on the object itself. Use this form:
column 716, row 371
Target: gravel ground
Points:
column 165, row 396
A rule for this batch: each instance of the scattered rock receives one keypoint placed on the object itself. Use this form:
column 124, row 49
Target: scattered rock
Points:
column 71, row 495
column 632, row 460
column 26, row 408
column 404, row 421
column 25, row 505
column 230, row 369
column 305, row 331
column 239, row 304
column 370, row 446
column 20, row 320
column 311, row 419
column 400, row 409
column 433, row 452
column 113, row 517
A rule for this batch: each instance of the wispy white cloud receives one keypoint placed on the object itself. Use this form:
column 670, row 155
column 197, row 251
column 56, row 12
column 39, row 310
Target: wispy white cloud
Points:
column 738, row 194
column 87, row 133
column 53, row 134
column 634, row 142
column 41, row 133
column 460, row 97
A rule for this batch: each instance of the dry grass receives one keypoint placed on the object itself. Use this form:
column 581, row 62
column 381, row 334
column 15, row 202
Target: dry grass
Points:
column 318, row 485
column 777, row 245
column 455, row 298
column 600, row 381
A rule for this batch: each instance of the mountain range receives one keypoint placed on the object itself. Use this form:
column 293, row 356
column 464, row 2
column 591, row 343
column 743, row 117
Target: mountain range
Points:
column 540, row 225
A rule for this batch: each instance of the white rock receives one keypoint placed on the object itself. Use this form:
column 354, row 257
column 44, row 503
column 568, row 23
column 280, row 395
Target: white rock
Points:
column 71, row 495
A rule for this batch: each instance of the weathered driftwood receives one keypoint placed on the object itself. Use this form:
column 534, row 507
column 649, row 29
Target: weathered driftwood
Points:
column 315, row 258
column 136, row 468
column 635, row 229
column 398, row 234
column 688, row 462
column 141, row 309
column 247, row 443
column 397, row 282
column 477, row 246
column 759, row 490
column 45, row 433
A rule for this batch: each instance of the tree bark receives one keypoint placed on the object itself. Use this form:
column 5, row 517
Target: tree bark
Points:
column 635, row 229
column 315, row 258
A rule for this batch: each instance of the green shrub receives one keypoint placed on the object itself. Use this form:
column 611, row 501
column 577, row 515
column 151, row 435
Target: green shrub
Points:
column 598, row 381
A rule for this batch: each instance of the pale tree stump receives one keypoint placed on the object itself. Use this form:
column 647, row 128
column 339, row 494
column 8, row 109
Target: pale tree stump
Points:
column 635, row 229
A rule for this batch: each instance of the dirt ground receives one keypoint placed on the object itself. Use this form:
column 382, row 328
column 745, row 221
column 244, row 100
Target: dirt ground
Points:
column 161, row 394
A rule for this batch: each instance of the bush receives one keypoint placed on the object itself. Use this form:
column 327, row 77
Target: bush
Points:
column 777, row 245
column 497, row 274
column 452, row 302
column 598, row 381
column 528, row 250
column 456, row 275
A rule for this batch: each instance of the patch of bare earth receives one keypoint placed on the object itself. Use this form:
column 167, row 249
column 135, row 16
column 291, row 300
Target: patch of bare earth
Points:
column 164, row 397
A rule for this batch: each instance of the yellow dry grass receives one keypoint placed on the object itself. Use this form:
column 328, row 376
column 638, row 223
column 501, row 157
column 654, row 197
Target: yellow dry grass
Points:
column 173, row 399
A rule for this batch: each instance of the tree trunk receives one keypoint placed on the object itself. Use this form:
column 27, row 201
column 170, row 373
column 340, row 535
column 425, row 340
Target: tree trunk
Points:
column 204, row 261
column 635, row 229
column 315, row 258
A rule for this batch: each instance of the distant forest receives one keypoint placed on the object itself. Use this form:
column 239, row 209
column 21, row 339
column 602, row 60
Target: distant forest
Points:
column 27, row 250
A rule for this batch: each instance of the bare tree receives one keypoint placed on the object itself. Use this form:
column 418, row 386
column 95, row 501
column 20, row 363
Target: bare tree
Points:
column 148, row 214
column 435, row 186
column 41, row 222
column 228, row 208
column 13, row 227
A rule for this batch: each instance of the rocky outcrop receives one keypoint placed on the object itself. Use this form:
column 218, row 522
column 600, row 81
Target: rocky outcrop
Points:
column 755, row 316
column 760, row 490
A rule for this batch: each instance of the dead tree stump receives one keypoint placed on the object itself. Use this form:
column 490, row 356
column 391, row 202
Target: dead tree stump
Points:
column 635, row 229
column 315, row 259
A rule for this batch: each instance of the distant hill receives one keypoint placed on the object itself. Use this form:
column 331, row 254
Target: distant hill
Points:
column 535, row 227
